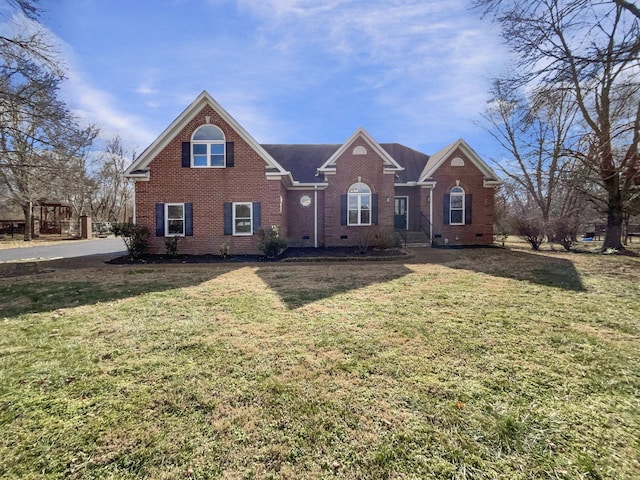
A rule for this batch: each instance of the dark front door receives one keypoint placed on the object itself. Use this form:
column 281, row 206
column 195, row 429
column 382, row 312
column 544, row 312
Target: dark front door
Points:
column 400, row 213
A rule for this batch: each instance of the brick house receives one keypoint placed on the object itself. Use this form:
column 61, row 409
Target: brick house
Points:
column 208, row 181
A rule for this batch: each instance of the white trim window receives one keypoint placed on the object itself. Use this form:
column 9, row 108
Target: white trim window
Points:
column 359, row 204
column 456, row 206
column 243, row 218
column 208, row 147
column 174, row 219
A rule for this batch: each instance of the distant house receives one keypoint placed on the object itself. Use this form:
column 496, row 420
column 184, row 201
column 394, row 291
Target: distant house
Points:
column 207, row 180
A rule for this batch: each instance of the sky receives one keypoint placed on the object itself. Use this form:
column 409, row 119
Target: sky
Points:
column 416, row 72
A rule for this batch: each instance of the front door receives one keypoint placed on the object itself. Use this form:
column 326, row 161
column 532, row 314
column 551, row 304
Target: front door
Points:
column 400, row 213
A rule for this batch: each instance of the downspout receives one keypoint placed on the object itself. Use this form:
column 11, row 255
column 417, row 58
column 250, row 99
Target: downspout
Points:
column 315, row 216
column 431, row 215
column 134, row 202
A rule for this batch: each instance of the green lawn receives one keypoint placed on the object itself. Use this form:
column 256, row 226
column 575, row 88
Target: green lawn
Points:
column 483, row 364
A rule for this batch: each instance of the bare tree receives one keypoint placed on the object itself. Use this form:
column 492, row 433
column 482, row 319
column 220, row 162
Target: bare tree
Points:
column 28, row 44
column 29, row 8
column 631, row 7
column 591, row 49
column 38, row 139
column 113, row 193
column 534, row 132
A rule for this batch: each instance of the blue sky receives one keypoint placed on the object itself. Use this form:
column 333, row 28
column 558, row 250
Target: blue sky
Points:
column 415, row 72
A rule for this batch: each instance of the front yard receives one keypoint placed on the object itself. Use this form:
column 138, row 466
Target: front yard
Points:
column 485, row 363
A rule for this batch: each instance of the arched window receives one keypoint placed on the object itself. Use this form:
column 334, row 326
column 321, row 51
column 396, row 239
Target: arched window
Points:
column 207, row 147
column 359, row 204
column 456, row 206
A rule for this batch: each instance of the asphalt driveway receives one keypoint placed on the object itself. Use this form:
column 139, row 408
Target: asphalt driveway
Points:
column 68, row 249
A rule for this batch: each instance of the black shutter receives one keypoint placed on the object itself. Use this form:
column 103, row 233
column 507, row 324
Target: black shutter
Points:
column 159, row 219
column 228, row 218
column 188, row 219
column 467, row 209
column 374, row 209
column 186, row 154
column 343, row 209
column 230, row 160
column 445, row 209
column 256, row 216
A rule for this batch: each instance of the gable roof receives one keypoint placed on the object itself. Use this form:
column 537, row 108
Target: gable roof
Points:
column 388, row 160
column 412, row 161
column 305, row 164
column 438, row 158
column 304, row 161
column 139, row 166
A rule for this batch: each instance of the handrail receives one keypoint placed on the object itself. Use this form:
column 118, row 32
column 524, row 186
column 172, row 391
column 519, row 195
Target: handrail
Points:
column 422, row 227
column 403, row 235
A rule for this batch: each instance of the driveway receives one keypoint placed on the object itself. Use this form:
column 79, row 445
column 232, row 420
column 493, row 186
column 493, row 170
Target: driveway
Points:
column 69, row 249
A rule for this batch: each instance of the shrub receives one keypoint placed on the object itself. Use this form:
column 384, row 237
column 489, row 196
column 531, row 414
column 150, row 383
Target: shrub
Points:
column 136, row 238
column 531, row 229
column 564, row 230
column 171, row 246
column 386, row 238
column 271, row 244
column 364, row 240
column 224, row 250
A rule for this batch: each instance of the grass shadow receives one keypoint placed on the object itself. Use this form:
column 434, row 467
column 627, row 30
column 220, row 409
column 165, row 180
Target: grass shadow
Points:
column 297, row 284
column 321, row 280
column 46, row 286
column 49, row 285
column 550, row 271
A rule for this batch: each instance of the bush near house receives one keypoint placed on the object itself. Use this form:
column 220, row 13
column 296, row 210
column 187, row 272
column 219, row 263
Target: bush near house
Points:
column 136, row 238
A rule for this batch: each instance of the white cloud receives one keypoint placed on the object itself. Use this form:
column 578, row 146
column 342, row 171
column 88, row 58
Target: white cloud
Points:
column 431, row 54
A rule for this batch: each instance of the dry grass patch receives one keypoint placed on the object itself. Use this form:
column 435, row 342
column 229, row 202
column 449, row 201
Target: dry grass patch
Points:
column 461, row 364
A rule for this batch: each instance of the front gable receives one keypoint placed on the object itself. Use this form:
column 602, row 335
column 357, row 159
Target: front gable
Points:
column 456, row 156
column 360, row 144
column 206, row 107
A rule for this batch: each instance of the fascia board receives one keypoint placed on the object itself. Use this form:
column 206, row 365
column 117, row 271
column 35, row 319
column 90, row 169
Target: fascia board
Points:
column 308, row 186
column 405, row 184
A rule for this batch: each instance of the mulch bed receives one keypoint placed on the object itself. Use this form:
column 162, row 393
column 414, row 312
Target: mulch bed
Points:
column 289, row 255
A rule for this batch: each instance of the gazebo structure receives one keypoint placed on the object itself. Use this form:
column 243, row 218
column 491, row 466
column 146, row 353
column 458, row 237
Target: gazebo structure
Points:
column 54, row 218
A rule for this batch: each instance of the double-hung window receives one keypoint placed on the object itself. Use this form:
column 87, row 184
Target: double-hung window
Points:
column 242, row 218
column 174, row 219
column 359, row 204
column 208, row 147
column 456, row 206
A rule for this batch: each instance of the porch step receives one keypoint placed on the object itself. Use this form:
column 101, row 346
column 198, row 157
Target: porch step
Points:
column 415, row 239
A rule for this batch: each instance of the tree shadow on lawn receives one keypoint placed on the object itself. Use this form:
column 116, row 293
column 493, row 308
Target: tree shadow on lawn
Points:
column 46, row 286
column 550, row 271
column 299, row 284
column 333, row 277
column 296, row 283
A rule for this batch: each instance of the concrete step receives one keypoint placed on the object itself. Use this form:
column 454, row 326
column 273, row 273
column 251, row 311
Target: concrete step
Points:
column 415, row 239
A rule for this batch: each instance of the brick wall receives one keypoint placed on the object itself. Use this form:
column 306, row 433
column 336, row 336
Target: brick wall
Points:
column 301, row 228
column 208, row 189
column 349, row 170
column 480, row 231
